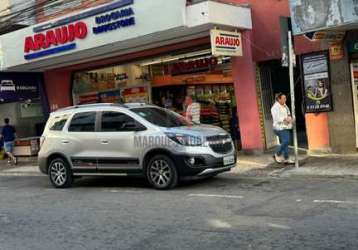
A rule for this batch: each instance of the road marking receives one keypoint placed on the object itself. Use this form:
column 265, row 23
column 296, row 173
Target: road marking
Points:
column 219, row 224
column 335, row 202
column 20, row 174
column 122, row 191
column 279, row 226
column 217, row 196
column 251, row 163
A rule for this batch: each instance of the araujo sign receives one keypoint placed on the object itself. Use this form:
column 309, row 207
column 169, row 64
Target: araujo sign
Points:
column 54, row 40
column 62, row 35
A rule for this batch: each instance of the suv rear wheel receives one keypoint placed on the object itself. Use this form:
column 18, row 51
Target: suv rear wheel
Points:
column 60, row 173
column 161, row 172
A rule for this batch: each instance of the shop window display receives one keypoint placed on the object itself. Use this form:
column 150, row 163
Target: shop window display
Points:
column 118, row 84
column 218, row 105
column 167, row 83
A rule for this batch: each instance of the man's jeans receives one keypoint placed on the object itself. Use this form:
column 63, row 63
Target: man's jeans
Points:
column 284, row 136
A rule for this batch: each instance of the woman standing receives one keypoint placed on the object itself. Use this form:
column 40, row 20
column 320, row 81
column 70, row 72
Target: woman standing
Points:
column 282, row 125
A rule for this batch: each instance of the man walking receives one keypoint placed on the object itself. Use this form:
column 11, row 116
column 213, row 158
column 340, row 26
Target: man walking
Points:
column 8, row 135
column 282, row 125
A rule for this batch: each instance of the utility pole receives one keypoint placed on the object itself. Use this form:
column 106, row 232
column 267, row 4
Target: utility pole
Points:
column 291, row 64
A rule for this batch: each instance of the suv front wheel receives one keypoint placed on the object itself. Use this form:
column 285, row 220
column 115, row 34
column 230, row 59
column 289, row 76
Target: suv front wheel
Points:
column 161, row 172
column 60, row 173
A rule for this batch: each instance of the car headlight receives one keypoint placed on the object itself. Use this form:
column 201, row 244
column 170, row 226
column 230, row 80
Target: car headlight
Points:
column 186, row 140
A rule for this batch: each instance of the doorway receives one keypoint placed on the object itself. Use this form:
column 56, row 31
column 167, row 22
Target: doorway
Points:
column 275, row 79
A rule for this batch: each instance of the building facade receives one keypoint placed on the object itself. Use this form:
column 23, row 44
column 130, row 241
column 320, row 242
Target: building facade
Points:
column 333, row 25
column 159, row 52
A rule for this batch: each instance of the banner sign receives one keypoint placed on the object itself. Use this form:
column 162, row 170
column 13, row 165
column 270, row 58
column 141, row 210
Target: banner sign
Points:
column 313, row 15
column 88, row 98
column 317, row 87
column 16, row 87
column 331, row 36
column 63, row 35
column 111, row 96
column 225, row 43
column 135, row 94
column 196, row 65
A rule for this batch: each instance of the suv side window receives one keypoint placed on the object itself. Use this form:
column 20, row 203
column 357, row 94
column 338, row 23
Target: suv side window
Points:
column 83, row 122
column 58, row 123
column 117, row 122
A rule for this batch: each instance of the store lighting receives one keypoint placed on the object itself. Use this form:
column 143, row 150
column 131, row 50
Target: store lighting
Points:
column 175, row 58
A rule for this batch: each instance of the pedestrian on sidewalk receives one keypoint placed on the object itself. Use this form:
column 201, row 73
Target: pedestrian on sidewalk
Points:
column 8, row 135
column 282, row 125
column 192, row 110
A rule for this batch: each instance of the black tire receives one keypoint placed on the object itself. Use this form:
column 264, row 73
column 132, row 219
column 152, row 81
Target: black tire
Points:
column 60, row 173
column 161, row 172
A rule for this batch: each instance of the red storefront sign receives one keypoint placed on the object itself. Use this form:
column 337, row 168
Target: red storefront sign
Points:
column 55, row 37
column 193, row 66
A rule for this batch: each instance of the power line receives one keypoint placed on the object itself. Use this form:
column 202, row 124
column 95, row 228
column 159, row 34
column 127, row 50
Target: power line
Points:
column 25, row 13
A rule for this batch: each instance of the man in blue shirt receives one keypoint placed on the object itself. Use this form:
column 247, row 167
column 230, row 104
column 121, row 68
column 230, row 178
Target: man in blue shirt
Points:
column 8, row 135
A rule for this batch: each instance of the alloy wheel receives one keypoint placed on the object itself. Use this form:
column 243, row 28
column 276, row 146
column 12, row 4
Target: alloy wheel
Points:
column 58, row 173
column 160, row 173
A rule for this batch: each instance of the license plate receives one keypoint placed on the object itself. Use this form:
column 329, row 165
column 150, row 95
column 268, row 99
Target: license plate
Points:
column 229, row 160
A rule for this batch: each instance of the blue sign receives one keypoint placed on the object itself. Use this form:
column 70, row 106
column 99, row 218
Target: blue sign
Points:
column 51, row 51
column 94, row 12
column 19, row 87
column 114, row 26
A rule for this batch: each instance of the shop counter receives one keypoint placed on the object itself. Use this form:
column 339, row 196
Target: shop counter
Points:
column 27, row 146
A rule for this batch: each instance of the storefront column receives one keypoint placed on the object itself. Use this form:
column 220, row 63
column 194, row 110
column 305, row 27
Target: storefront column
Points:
column 317, row 132
column 246, row 96
column 58, row 88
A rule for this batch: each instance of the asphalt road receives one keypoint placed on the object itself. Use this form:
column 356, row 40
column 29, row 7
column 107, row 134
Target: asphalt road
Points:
column 227, row 212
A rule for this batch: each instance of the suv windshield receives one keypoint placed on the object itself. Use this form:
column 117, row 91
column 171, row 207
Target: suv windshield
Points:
column 161, row 117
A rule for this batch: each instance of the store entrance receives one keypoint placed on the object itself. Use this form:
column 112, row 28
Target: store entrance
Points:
column 278, row 77
column 217, row 104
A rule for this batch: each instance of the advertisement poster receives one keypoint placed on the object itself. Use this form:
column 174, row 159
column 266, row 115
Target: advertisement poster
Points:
column 112, row 96
column 135, row 95
column 16, row 87
column 313, row 15
column 317, row 87
column 88, row 99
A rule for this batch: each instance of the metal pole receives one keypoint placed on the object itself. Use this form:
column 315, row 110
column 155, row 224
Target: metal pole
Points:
column 292, row 88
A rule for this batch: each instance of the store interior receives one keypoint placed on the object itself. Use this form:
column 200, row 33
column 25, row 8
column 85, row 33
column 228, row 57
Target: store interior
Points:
column 166, row 81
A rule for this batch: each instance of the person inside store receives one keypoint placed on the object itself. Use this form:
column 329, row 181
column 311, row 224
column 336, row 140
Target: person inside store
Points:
column 8, row 135
column 192, row 110
column 282, row 125
column 167, row 101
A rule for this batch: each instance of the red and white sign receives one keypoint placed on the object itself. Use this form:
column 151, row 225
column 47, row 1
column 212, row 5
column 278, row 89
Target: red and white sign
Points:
column 135, row 94
column 56, row 37
column 193, row 66
column 225, row 43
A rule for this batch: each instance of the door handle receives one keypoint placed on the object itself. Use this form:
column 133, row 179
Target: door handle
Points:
column 104, row 141
column 65, row 142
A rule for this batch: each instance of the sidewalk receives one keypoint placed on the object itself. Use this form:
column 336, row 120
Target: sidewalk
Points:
column 248, row 165
column 27, row 166
column 328, row 165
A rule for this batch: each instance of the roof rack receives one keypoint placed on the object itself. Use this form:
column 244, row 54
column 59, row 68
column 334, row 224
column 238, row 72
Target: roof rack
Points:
column 92, row 106
column 135, row 104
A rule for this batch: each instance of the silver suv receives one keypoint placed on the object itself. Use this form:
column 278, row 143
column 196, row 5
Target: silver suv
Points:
column 131, row 139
